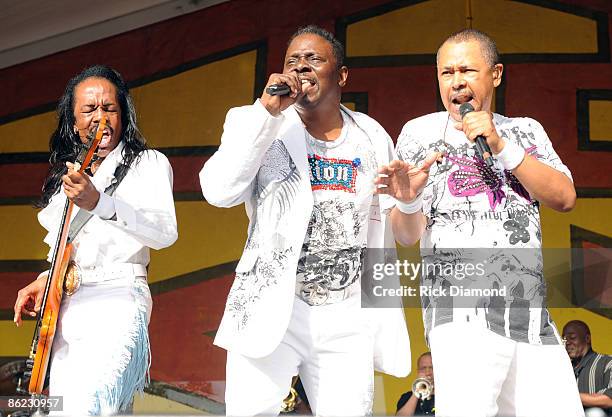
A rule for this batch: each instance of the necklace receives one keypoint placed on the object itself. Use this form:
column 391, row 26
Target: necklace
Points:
column 444, row 147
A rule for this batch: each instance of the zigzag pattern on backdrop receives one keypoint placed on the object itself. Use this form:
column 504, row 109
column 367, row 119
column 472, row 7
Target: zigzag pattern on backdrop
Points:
column 185, row 75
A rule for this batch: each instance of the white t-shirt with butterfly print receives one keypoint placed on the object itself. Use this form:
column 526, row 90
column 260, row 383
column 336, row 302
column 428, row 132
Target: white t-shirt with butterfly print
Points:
column 470, row 205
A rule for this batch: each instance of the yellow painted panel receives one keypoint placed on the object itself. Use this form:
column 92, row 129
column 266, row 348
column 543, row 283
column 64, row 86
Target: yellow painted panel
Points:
column 378, row 406
column 516, row 27
column 600, row 120
column 30, row 134
column 526, row 28
column 417, row 29
column 16, row 341
column 395, row 387
column 590, row 213
column 21, row 234
column 189, row 109
column 349, row 105
column 600, row 326
column 152, row 405
column 208, row 236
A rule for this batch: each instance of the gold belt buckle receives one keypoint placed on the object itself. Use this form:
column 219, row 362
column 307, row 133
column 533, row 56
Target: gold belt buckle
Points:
column 72, row 279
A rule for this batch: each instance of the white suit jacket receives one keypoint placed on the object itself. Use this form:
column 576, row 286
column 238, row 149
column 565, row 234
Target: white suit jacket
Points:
column 262, row 161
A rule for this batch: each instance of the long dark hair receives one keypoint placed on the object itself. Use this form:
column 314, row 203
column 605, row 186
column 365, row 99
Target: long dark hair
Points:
column 65, row 143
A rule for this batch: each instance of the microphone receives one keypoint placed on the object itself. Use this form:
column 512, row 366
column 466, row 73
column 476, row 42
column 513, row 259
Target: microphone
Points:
column 278, row 90
column 482, row 148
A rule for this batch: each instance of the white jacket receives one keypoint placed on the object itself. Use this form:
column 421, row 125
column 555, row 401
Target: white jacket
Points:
column 145, row 215
column 262, row 162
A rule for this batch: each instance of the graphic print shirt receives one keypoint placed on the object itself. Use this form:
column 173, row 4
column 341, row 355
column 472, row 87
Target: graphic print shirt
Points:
column 480, row 214
column 342, row 174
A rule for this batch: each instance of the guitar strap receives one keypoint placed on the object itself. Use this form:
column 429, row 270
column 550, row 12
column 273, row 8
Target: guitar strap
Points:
column 83, row 216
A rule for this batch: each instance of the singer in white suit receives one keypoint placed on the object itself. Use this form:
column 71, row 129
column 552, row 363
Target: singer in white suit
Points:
column 305, row 168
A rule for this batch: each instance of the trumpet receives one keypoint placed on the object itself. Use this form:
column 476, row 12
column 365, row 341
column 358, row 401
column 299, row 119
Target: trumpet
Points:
column 422, row 388
column 291, row 400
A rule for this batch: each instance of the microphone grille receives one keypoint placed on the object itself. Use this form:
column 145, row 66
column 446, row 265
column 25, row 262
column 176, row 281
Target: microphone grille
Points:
column 465, row 108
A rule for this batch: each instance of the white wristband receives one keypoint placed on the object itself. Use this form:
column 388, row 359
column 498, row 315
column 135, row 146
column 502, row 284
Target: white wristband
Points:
column 410, row 208
column 511, row 156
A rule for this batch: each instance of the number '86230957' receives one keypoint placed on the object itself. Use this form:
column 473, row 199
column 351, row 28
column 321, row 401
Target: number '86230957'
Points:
column 28, row 403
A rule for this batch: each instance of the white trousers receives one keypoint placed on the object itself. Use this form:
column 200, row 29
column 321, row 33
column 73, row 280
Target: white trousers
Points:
column 479, row 373
column 93, row 349
column 331, row 348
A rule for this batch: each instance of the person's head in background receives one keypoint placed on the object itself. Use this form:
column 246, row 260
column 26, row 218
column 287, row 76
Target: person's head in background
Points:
column 577, row 337
column 425, row 366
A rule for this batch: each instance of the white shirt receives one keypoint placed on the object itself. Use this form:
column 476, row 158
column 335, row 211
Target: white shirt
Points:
column 342, row 174
column 145, row 215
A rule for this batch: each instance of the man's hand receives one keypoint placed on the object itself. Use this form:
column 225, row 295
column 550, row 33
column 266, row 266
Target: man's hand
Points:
column 276, row 104
column 30, row 298
column 480, row 123
column 79, row 189
column 544, row 183
column 404, row 181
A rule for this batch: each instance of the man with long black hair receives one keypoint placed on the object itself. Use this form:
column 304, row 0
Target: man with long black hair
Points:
column 100, row 355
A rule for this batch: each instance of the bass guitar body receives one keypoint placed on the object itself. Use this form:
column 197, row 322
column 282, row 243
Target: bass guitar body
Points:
column 48, row 325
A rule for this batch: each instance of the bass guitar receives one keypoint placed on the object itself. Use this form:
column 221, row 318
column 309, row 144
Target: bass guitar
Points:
column 40, row 352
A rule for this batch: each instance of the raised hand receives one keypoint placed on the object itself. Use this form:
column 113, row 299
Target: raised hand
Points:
column 276, row 104
column 480, row 123
column 403, row 181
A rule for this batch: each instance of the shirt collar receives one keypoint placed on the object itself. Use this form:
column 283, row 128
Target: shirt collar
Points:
column 106, row 172
column 116, row 154
column 582, row 362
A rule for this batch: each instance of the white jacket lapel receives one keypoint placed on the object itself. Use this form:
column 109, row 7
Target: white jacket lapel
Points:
column 294, row 139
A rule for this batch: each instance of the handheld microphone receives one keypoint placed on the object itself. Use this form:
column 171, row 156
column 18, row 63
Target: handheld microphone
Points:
column 278, row 90
column 482, row 148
